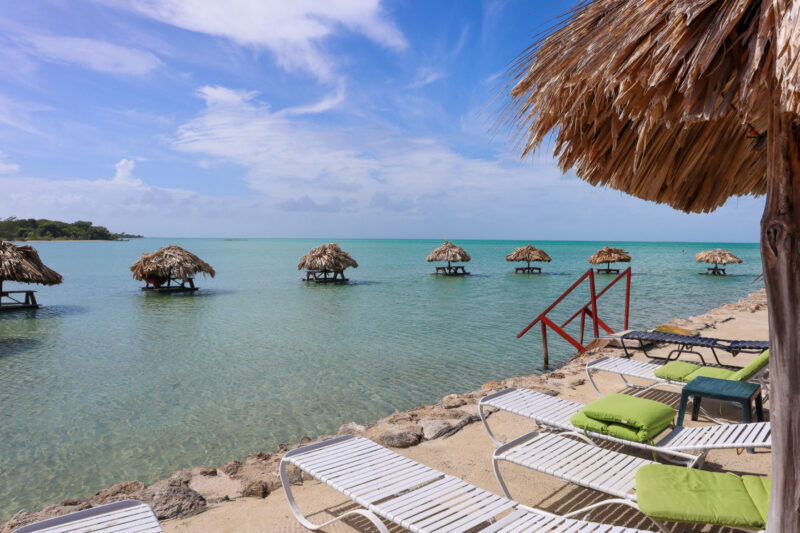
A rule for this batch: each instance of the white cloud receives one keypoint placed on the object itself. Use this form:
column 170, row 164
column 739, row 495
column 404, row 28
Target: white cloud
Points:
column 303, row 163
column 7, row 168
column 19, row 114
column 92, row 54
column 425, row 76
column 292, row 30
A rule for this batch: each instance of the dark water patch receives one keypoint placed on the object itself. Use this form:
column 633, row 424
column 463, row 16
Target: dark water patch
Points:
column 15, row 346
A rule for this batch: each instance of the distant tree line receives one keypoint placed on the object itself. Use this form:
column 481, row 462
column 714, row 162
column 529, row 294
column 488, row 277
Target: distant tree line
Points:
column 25, row 229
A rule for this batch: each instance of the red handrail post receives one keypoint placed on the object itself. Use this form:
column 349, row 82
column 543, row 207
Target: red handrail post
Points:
column 627, row 297
column 544, row 345
column 593, row 295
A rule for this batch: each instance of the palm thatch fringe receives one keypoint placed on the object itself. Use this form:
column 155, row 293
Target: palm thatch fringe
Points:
column 448, row 252
column 528, row 253
column 663, row 100
column 22, row 264
column 328, row 257
column 717, row 257
column 170, row 263
column 609, row 255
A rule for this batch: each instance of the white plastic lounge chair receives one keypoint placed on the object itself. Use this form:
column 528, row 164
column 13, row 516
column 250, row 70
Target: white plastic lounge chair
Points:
column 682, row 445
column 755, row 372
column 587, row 465
column 126, row 516
column 415, row 496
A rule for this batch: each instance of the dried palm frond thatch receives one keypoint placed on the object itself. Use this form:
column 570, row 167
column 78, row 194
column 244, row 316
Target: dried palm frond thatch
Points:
column 528, row 253
column 170, row 262
column 448, row 252
column 717, row 257
column 609, row 255
column 328, row 257
column 22, row 264
column 663, row 100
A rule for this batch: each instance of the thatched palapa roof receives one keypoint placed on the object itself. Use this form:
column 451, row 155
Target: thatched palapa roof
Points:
column 22, row 264
column 667, row 100
column 717, row 257
column 327, row 257
column 528, row 253
column 609, row 255
column 449, row 252
column 170, row 262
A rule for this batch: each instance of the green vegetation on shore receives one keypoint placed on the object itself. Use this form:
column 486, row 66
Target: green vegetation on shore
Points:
column 31, row 229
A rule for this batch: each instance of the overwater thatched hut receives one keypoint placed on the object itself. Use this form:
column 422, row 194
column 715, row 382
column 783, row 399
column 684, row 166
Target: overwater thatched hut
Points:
column 688, row 103
column 23, row 265
column 451, row 253
column 717, row 257
column 326, row 264
column 530, row 254
column 170, row 269
column 609, row 255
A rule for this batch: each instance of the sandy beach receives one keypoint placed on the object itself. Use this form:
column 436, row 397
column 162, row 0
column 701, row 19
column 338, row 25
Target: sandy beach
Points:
column 247, row 497
column 467, row 453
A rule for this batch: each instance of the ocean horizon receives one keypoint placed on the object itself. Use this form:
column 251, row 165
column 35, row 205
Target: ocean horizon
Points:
column 106, row 383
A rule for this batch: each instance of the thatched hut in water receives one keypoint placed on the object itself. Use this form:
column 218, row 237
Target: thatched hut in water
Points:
column 171, row 264
column 23, row 265
column 717, row 257
column 326, row 264
column 687, row 103
column 451, row 253
column 530, row 254
column 609, row 255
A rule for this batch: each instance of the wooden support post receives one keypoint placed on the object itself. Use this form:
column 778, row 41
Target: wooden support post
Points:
column 544, row 346
column 583, row 324
column 780, row 256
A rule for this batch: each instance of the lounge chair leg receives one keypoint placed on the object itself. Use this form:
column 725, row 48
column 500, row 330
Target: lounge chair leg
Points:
column 612, row 501
column 310, row 525
column 483, row 416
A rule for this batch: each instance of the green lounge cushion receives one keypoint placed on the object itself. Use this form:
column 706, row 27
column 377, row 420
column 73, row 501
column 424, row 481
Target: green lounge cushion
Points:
column 758, row 488
column 679, row 494
column 625, row 417
column 710, row 372
column 750, row 370
column 676, row 370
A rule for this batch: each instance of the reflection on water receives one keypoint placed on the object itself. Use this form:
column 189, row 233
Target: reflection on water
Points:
column 107, row 383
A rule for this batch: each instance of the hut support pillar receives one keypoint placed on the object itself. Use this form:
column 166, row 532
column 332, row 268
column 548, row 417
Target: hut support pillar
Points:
column 780, row 253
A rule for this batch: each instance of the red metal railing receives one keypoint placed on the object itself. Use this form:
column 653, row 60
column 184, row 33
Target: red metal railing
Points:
column 590, row 308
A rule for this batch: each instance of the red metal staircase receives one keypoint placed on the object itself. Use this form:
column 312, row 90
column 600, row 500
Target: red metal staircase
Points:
column 590, row 309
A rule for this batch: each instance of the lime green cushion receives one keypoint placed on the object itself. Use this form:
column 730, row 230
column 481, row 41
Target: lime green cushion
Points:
column 749, row 371
column 710, row 372
column 675, row 330
column 758, row 488
column 581, row 421
column 679, row 494
column 676, row 370
column 625, row 417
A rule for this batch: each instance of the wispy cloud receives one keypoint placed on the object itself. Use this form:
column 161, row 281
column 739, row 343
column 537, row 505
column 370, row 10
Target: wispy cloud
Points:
column 19, row 114
column 302, row 163
column 425, row 76
column 291, row 30
column 7, row 168
column 92, row 54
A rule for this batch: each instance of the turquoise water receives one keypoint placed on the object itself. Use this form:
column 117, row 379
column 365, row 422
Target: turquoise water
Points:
column 106, row 384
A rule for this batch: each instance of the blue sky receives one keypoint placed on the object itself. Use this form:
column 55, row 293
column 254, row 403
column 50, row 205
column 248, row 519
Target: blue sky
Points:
column 256, row 118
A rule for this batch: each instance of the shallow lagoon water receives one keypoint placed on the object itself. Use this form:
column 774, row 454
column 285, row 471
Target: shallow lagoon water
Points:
column 106, row 383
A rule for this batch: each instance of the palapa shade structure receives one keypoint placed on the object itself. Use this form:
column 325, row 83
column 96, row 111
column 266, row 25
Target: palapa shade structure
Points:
column 528, row 253
column 167, row 265
column 688, row 102
column 609, row 255
column 717, row 257
column 451, row 253
column 23, row 265
column 325, row 260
